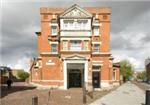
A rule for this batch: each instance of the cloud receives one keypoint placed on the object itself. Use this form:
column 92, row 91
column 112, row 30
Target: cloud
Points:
column 129, row 30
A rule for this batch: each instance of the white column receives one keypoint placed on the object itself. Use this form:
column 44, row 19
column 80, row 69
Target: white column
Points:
column 86, row 71
column 65, row 75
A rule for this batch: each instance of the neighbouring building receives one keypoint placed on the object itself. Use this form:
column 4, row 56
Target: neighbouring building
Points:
column 147, row 65
column 74, row 45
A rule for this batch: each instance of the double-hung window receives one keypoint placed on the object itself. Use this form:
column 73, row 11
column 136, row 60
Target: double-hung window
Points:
column 54, row 48
column 75, row 45
column 96, row 48
column 54, row 30
column 65, row 45
column 96, row 31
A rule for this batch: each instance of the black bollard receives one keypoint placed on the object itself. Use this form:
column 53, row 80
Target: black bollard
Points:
column 35, row 100
column 147, row 97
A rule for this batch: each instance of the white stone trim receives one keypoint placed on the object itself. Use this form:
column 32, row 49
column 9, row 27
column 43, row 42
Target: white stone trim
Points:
column 48, row 80
column 75, row 50
column 50, row 42
column 104, row 84
column 104, row 53
column 65, row 75
column 50, row 63
column 75, row 61
column 96, row 42
column 76, row 33
column 53, row 24
column 97, row 61
column 49, row 53
column 97, row 24
column 95, row 53
column 75, row 39
column 86, row 71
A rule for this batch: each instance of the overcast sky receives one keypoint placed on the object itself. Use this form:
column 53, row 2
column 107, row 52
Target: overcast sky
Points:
column 130, row 30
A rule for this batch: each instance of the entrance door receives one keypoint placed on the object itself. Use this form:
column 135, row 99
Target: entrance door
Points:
column 74, row 78
column 96, row 79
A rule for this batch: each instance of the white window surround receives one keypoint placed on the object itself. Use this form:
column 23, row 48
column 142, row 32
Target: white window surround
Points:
column 53, row 24
column 75, row 61
column 75, row 39
column 97, row 63
column 86, row 45
column 96, row 42
column 96, row 48
column 75, row 45
column 76, row 25
column 54, row 48
column 97, row 24
column 40, row 63
column 50, row 42
column 53, row 30
column 65, row 45
column 96, row 31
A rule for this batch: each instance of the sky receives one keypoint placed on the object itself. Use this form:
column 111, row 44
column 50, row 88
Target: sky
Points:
column 129, row 35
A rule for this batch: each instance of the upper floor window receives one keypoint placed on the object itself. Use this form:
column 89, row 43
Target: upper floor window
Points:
column 65, row 45
column 96, row 48
column 75, row 45
column 86, row 45
column 54, row 48
column 76, row 24
column 68, row 23
column 54, row 30
column 96, row 30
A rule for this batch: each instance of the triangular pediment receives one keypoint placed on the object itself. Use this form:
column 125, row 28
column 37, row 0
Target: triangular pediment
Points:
column 75, row 57
column 75, row 12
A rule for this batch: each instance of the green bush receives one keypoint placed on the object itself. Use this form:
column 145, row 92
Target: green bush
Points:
column 23, row 75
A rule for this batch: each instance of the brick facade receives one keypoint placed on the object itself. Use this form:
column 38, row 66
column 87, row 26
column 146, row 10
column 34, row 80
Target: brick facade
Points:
column 74, row 41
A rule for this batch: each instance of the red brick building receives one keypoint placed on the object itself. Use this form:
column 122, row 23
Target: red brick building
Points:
column 74, row 44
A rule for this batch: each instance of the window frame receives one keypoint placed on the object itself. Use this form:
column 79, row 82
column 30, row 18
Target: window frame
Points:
column 77, row 47
column 97, row 49
column 53, row 50
column 53, row 33
column 96, row 31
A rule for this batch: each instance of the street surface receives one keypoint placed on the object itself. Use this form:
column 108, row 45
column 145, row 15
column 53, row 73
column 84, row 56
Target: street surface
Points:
column 127, row 94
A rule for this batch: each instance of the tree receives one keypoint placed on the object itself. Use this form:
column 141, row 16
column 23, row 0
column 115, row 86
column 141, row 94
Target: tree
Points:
column 126, row 69
column 142, row 75
column 23, row 75
column 4, row 70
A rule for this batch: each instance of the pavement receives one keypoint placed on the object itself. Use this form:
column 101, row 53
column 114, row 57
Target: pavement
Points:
column 127, row 94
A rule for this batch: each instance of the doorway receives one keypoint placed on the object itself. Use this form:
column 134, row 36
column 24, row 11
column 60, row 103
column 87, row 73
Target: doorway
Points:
column 75, row 74
column 74, row 78
column 96, row 79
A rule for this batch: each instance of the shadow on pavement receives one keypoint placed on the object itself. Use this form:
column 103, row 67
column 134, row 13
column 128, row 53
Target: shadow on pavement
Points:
column 5, row 91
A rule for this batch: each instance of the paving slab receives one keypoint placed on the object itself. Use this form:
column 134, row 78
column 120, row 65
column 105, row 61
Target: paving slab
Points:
column 127, row 94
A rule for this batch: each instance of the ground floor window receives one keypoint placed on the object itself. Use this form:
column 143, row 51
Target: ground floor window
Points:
column 114, row 74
